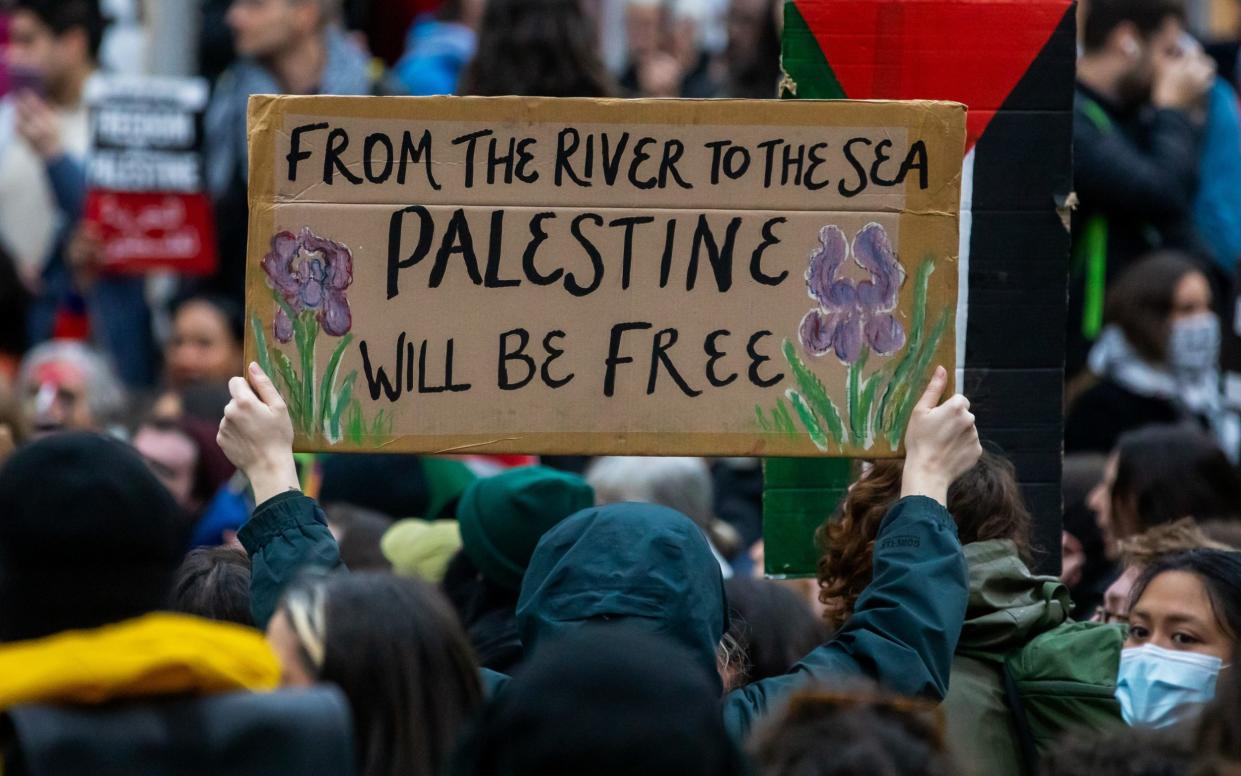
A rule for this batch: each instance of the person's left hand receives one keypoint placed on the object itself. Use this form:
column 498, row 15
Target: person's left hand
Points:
column 38, row 124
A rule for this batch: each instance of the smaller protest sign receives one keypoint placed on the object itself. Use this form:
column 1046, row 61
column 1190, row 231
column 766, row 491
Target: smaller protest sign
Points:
column 145, row 182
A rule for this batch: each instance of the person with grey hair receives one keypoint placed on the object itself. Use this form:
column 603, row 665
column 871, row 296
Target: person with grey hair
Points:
column 65, row 385
column 684, row 484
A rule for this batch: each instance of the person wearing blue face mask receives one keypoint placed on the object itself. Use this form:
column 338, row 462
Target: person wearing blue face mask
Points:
column 1156, row 361
column 1183, row 627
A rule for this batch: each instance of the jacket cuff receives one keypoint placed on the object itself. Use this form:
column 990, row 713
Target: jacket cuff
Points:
column 912, row 508
column 288, row 511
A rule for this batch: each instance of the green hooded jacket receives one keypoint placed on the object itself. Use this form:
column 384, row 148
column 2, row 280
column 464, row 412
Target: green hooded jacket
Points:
column 1020, row 622
column 651, row 565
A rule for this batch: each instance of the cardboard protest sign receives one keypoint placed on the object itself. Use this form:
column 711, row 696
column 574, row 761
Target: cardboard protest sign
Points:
column 602, row 276
column 145, row 184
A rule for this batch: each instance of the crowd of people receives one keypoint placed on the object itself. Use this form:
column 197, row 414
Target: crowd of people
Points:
column 182, row 593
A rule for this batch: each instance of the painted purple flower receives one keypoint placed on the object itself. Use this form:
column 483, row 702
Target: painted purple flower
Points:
column 311, row 273
column 852, row 314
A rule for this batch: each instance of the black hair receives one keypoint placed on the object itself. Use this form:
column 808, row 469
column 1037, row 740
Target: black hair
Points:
column 537, row 48
column 1123, row 751
column 360, row 532
column 609, row 699
column 1220, row 572
column 232, row 313
column 488, row 611
column 772, row 625
column 1103, row 16
column 204, row 401
column 214, row 582
column 1218, row 741
column 1140, row 302
column 759, row 78
column 1164, row 473
column 849, row 731
column 395, row 648
column 65, row 15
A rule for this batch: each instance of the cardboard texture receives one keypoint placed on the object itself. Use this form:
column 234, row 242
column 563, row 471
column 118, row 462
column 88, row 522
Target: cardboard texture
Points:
column 514, row 275
column 1012, row 64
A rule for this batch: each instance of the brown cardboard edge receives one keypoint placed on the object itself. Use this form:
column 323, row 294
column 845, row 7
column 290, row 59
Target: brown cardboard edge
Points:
column 607, row 110
column 605, row 443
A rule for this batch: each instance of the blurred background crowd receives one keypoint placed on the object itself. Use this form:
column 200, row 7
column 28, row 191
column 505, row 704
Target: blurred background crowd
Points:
column 1153, row 366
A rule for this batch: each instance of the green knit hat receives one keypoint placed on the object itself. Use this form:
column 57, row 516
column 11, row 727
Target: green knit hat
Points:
column 503, row 517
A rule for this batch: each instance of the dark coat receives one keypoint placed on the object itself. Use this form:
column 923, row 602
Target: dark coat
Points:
column 648, row 564
column 307, row 731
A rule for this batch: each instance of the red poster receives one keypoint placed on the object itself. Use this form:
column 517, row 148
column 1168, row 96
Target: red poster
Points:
column 143, row 231
column 145, row 187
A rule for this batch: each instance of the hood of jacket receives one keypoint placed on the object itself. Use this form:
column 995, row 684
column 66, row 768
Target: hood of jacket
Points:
column 152, row 655
column 645, row 565
column 1008, row 605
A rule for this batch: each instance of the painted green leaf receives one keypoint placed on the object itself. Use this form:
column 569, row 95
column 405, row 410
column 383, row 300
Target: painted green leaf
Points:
column 293, row 387
column 884, row 414
column 343, row 400
column 857, row 420
column 355, row 426
column 783, row 417
column 815, row 394
column 919, row 378
column 305, row 329
column 762, row 422
column 869, row 389
column 327, row 386
column 808, row 420
column 260, row 346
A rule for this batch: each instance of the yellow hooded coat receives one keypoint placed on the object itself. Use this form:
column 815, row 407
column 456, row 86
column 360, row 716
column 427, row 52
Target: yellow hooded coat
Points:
column 149, row 656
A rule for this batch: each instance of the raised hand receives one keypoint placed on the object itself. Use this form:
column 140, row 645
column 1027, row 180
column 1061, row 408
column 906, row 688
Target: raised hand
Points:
column 941, row 442
column 257, row 435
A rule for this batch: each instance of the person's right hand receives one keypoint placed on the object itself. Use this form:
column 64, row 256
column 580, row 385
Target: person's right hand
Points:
column 941, row 442
column 38, row 125
column 1182, row 82
column 257, row 435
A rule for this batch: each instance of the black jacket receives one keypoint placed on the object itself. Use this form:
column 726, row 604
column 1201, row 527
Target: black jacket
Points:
column 1106, row 410
column 290, row 732
column 1135, row 172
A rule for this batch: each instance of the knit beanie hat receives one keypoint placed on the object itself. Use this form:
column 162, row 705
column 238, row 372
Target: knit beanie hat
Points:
column 421, row 548
column 503, row 517
column 88, row 536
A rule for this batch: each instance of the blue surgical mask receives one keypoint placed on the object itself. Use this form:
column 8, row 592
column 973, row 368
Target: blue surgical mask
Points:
column 1161, row 687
